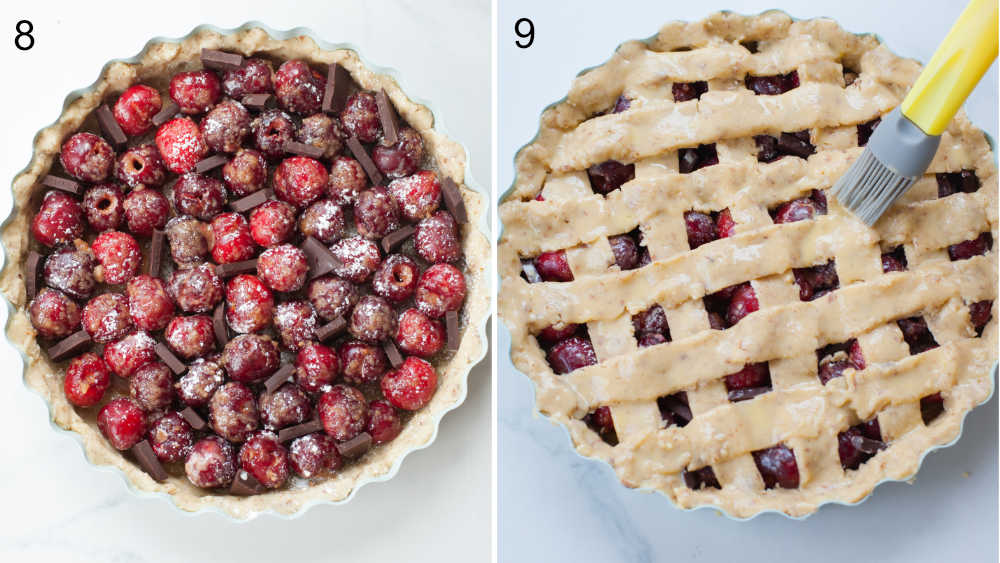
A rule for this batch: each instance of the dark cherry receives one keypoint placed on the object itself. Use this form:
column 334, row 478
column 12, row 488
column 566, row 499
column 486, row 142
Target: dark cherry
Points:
column 202, row 379
column 701, row 228
column 621, row 104
column 272, row 129
column 724, row 224
column 225, row 126
column 232, row 239
column 695, row 158
column 152, row 387
column 250, row 304
column 323, row 220
column 383, row 422
column 396, row 278
column 402, row 158
column 752, row 380
column 684, row 91
column 332, row 297
column 609, row 176
column 266, row 459
column 625, row 250
column 171, row 438
column 949, row 183
column 816, row 281
column 129, row 354
column 980, row 313
column 701, row 478
column 362, row 362
column 190, row 337
column 87, row 157
column 181, row 145
column 376, row 213
column 777, row 467
column 553, row 266
column 122, row 422
column 188, row 239
column 250, row 357
column 323, row 132
column 417, row 196
column 651, row 339
column 135, row 108
column 197, row 289
column 743, row 303
column 106, row 317
column 195, row 91
column 87, row 379
column 931, row 407
column 652, row 320
column 859, row 443
column 347, row 180
column 141, row 165
column 410, row 386
column 358, row 258
column 975, row 247
column 245, row 173
column 360, row 117
column 299, row 89
column 772, row 85
column 316, row 367
column 418, row 335
column 441, row 288
column 866, row 129
column 199, row 195
column 59, row 220
column 232, row 412
column 295, row 323
column 211, row 463
column 272, row 223
column 300, row 180
column 103, row 207
column 552, row 334
column 146, row 210
column 288, row 405
column 314, row 454
column 149, row 304
column 283, row 268
column 372, row 320
column 253, row 77
column 916, row 334
column 894, row 260
column 71, row 270
column 571, row 354
column 436, row 238
column 600, row 420
column 344, row 412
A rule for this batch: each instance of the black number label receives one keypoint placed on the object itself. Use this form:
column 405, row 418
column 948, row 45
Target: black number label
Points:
column 23, row 40
column 529, row 36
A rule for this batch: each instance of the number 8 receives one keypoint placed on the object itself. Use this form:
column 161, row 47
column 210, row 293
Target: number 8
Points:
column 24, row 33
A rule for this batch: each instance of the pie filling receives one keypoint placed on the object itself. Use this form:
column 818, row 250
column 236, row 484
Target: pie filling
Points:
column 253, row 275
column 695, row 307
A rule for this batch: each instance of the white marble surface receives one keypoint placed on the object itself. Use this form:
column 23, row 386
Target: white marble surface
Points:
column 56, row 506
column 557, row 506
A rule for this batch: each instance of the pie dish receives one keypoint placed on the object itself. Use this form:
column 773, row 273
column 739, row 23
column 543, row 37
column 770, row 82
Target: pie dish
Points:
column 319, row 296
column 697, row 312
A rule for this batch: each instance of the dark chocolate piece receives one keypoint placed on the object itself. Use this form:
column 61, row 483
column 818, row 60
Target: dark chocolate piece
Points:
column 364, row 160
column 148, row 461
column 256, row 101
column 70, row 345
column 210, row 163
column 194, row 419
column 279, row 378
column 219, row 325
column 321, row 260
column 356, row 446
column 247, row 203
column 394, row 239
column 168, row 357
column 32, row 270
column 246, row 485
column 169, row 110
column 63, row 184
column 451, row 325
column 235, row 268
column 392, row 353
column 530, row 272
column 220, row 60
column 303, row 149
column 338, row 82
column 387, row 115
column 299, row 430
column 156, row 252
column 453, row 200
column 110, row 127
column 331, row 329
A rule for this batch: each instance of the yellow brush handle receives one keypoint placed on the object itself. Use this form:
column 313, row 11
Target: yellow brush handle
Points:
column 957, row 65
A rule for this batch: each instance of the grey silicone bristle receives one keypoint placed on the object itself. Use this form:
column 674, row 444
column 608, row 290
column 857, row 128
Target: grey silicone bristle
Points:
column 898, row 153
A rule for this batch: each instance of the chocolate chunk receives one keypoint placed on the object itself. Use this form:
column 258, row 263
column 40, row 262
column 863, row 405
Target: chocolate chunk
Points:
column 279, row 378
column 299, row 430
column 530, row 272
column 338, row 82
column 235, row 268
column 387, row 115
column 210, row 163
column 247, row 203
column 220, row 60
column 63, row 184
column 453, row 200
column 321, row 260
column 32, row 269
column 219, row 325
column 256, row 101
column 169, row 110
column 168, row 357
column 156, row 252
column 194, row 419
column 451, row 324
column 148, row 461
column 394, row 239
column 331, row 329
column 111, row 127
column 356, row 446
column 303, row 149
column 364, row 160
column 392, row 353
column 76, row 342
column 246, row 485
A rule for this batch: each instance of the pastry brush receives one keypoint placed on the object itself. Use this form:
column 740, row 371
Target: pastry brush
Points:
column 904, row 143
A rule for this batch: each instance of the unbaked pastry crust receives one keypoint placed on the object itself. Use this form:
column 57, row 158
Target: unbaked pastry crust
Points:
column 574, row 134
column 154, row 65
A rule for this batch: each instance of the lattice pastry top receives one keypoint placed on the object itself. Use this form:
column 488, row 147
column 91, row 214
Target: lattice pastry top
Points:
column 697, row 313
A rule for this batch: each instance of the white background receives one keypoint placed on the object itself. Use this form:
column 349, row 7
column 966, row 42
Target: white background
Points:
column 557, row 506
column 55, row 506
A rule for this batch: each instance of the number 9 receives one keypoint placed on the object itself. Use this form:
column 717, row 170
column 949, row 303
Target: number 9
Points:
column 530, row 35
